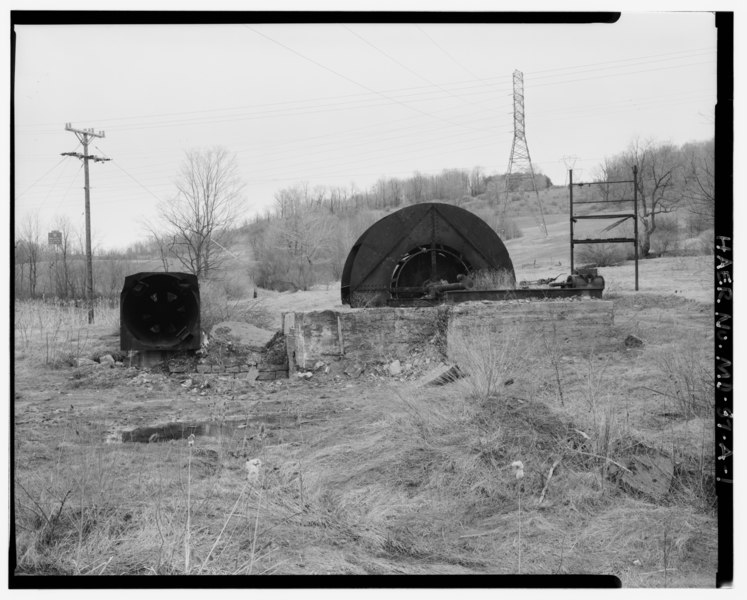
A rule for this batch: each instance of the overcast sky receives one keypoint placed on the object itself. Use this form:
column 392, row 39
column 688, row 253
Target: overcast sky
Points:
column 340, row 104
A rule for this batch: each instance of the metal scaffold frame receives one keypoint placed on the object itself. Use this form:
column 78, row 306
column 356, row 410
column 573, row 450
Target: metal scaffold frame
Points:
column 622, row 216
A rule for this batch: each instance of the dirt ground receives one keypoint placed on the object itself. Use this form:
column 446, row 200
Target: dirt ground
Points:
column 377, row 474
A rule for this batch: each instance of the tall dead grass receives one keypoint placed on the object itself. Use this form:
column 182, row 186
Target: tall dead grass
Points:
column 488, row 357
column 409, row 480
column 493, row 279
column 653, row 544
column 688, row 382
column 53, row 333
column 161, row 508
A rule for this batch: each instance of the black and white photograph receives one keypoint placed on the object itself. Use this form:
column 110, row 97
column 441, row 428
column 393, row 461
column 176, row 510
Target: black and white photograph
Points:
column 418, row 299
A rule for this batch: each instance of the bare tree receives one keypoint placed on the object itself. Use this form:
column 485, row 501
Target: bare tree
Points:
column 205, row 206
column 379, row 190
column 162, row 245
column 294, row 251
column 290, row 200
column 20, row 267
column 337, row 196
column 305, row 237
column 319, row 196
column 700, row 189
column 660, row 177
column 64, row 285
column 28, row 252
column 477, row 184
column 415, row 188
column 110, row 270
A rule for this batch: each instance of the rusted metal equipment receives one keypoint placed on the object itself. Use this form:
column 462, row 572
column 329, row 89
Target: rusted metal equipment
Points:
column 536, row 293
column 583, row 278
column 414, row 252
column 160, row 311
column 431, row 253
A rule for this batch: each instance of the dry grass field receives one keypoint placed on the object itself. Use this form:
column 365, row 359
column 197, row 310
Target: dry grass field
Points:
column 379, row 474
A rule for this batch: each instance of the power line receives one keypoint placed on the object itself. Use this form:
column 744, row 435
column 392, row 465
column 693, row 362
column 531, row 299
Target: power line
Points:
column 284, row 158
column 67, row 190
column 329, row 101
column 332, row 107
column 390, row 151
column 365, row 87
column 408, row 69
column 427, row 138
column 454, row 60
column 283, row 155
column 635, row 59
column 433, row 136
column 137, row 181
column 489, row 143
column 18, row 196
column 380, row 134
column 384, row 153
column 622, row 74
column 356, row 103
column 486, row 82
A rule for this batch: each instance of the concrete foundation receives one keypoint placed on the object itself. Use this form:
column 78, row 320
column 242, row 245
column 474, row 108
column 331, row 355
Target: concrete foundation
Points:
column 375, row 335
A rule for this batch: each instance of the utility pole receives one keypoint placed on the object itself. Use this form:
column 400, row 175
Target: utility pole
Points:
column 84, row 137
column 520, row 161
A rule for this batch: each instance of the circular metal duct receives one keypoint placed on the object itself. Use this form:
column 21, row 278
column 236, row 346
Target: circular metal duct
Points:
column 160, row 311
column 424, row 243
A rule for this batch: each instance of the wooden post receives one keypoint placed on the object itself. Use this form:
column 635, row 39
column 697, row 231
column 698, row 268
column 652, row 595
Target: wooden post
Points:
column 84, row 137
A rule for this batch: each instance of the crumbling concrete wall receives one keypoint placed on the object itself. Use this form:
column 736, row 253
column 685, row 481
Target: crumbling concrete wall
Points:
column 364, row 335
column 371, row 335
column 577, row 320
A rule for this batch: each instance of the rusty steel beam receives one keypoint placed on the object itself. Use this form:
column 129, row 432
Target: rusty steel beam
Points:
column 456, row 297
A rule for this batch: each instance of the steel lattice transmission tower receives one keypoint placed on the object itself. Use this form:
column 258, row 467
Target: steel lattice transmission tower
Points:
column 520, row 163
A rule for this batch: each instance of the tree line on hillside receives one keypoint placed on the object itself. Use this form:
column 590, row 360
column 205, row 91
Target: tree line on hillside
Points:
column 304, row 238
column 671, row 180
column 44, row 270
column 451, row 185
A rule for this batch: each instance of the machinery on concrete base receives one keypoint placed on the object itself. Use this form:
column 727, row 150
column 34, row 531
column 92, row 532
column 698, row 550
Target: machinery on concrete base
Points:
column 433, row 253
column 398, row 257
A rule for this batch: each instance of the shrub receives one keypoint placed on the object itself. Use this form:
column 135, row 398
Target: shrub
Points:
column 666, row 237
column 706, row 241
column 488, row 358
column 605, row 255
column 508, row 229
column 695, row 224
column 688, row 383
column 295, row 252
column 218, row 305
column 697, row 246
column 504, row 226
